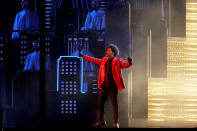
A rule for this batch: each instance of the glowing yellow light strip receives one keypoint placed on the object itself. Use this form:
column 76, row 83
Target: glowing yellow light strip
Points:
column 192, row 19
column 177, row 101
column 157, row 109
column 191, row 43
column 190, row 53
column 191, row 24
column 192, row 9
column 191, row 3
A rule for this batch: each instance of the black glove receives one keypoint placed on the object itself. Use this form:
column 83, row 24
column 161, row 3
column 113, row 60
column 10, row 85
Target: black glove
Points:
column 79, row 53
column 130, row 60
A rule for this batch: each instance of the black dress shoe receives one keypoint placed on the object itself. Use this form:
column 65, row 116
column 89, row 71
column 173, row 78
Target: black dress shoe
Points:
column 115, row 125
column 100, row 124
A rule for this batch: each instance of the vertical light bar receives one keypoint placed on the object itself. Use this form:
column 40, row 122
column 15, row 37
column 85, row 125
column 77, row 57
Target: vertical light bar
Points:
column 58, row 61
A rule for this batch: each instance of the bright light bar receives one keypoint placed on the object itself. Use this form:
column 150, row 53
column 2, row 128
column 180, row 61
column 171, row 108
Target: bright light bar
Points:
column 175, row 98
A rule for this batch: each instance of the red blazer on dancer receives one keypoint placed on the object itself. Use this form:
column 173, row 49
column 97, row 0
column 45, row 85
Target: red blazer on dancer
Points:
column 117, row 64
column 110, row 80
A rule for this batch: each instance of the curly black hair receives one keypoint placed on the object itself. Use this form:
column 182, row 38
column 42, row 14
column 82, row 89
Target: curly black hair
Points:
column 115, row 49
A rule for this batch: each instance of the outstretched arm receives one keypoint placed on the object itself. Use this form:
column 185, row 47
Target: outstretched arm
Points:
column 126, row 64
column 15, row 27
column 90, row 59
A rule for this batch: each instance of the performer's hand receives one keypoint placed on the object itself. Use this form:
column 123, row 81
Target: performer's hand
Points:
column 79, row 53
column 130, row 59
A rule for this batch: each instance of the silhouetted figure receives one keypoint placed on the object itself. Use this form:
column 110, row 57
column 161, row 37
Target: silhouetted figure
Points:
column 33, row 59
column 26, row 20
column 95, row 20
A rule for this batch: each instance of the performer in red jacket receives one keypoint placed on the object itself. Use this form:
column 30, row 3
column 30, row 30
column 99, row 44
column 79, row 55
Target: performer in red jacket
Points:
column 110, row 80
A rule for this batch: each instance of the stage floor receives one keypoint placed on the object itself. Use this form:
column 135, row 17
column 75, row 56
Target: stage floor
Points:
column 144, row 123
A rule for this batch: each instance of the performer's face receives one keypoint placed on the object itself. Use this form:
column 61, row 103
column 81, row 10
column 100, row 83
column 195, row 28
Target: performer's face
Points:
column 109, row 53
column 24, row 4
column 36, row 45
column 94, row 5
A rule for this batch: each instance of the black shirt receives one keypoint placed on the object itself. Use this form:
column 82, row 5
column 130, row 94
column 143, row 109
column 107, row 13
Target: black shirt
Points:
column 109, row 80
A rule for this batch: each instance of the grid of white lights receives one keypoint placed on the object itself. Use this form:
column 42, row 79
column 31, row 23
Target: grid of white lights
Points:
column 23, row 49
column 72, row 44
column 69, row 69
column 3, row 43
column 48, row 44
column 68, row 87
column 68, row 107
column 69, row 83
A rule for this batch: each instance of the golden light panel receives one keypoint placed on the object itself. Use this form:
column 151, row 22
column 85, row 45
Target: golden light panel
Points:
column 175, row 98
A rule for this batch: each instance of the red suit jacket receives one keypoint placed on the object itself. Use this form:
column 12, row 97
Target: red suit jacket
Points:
column 117, row 64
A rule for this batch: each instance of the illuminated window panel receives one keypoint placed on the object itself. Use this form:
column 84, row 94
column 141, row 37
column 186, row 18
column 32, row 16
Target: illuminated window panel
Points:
column 175, row 58
column 48, row 45
column 24, row 49
column 69, row 107
column 3, row 49
column 48, row 5
column 69, row 87
column 69, row 83
column 170, row 100
column 72, row 42
column 93, row 88
column 69, row 71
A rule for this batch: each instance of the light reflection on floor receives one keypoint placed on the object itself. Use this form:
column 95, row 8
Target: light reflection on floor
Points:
column 144, row 123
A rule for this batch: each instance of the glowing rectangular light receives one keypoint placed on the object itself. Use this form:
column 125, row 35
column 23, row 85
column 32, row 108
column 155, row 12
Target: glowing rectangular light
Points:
column 177, row 101
column 66, row 72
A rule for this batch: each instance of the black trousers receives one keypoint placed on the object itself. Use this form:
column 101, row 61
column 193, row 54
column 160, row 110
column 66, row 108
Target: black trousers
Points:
column 112, row 92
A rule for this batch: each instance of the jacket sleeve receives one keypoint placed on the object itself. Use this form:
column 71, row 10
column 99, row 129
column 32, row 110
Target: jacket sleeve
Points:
column 124, row 64
column 92, row 59
column 27, row 63
column 16, row 27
